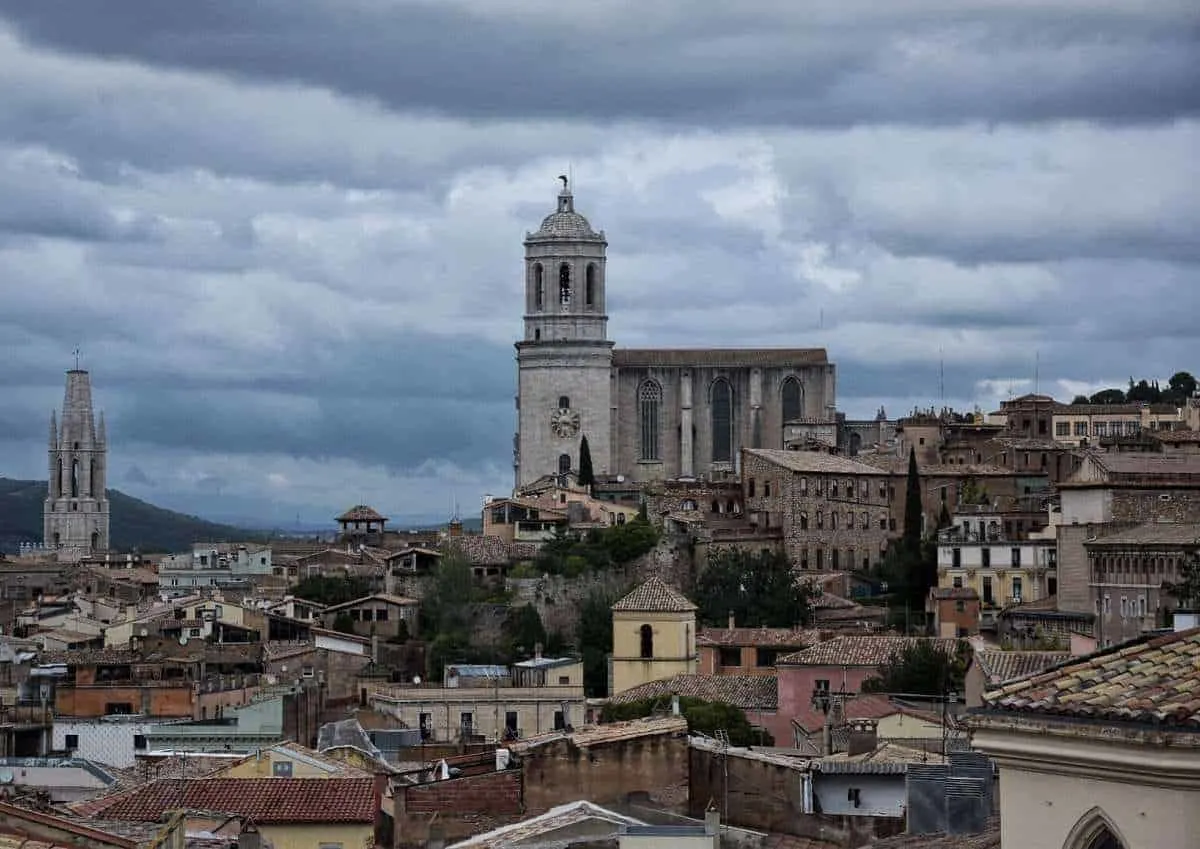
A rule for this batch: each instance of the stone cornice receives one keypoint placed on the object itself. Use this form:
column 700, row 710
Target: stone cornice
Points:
column 1142, row 755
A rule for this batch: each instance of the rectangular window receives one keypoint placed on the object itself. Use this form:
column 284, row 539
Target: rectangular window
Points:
column 958, row 582
column 564, row 680
column 821, row 685
column 1016, row 557
column 1016, row 589
column 1081, row 428
column 988, row 598
column 1101, row 428
column 510, row 722
column 730, row 656
column 466, row 722
column 960, row 606
column 766, row 489
column 1124, row 607
column 820, row 559
column 765, row 657
column 560, row 721
column 804, row 486
column 985, row 557
column 381, row 615
column 956, row 558
column 281, row 769
column 750, row 488
column 139, row 741
column 72, row 741
column 1062, row 428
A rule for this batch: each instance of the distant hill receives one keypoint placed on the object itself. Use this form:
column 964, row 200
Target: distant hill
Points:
column 133, row 524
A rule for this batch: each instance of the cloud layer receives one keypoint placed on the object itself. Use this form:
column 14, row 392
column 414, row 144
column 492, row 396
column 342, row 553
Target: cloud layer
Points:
column 288, row 236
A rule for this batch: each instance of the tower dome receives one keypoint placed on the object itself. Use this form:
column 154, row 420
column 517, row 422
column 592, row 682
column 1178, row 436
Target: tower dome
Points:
column 565, row 222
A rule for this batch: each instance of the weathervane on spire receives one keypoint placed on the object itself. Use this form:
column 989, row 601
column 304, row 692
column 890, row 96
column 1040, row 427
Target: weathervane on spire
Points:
column 565, row 181
column 76, row 353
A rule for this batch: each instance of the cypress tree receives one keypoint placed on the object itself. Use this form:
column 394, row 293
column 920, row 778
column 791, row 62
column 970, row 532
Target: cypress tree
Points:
column 912, row 507
column 586, row 476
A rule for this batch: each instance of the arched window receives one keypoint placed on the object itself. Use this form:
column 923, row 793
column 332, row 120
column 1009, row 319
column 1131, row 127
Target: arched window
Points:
column 539, row 287
column 1094, row 831
column 820, row 520
column 722, row 422
column 866, row 520
column 791, row 399
column 564, row 402
column 833, row 520
column 849, row 520
column 647, row 635
column 564, row 463
column 564, row 284
column 75, row 478
column 589, row 289
column 804, row 521
column 650, row 419
column 95, row 540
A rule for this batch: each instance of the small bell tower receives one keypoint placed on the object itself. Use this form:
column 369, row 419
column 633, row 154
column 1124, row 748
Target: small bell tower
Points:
column 75, row 515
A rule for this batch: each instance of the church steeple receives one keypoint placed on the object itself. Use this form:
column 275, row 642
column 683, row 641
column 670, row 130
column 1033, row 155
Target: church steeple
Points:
column 75, row 516
column 565, row 276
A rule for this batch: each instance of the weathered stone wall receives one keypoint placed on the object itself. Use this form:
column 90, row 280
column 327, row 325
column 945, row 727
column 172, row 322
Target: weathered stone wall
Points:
column 1156, row 505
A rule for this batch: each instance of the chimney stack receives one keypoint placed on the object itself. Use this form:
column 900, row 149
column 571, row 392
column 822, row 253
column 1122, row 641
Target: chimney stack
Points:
column 864, row 737
column 732, row 621
column 456, row 527
column 712, row 826
column 537, row 651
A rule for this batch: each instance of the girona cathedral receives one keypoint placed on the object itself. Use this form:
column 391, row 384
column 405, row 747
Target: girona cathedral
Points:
column 648, row 413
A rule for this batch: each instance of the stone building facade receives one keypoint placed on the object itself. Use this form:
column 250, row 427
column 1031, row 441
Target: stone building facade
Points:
column 75, row 515
column 835, row 513
column 648, row 414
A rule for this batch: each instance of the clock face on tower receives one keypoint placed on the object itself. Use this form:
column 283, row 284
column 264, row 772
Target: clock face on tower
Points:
column 564, row 422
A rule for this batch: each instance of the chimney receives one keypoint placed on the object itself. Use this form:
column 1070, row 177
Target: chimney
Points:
column 537, row 651
column 732, row 621
column 864, row 737
column 249, row 838
column 712, row 826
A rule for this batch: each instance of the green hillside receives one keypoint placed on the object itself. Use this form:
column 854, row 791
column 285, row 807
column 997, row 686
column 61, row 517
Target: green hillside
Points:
column 134, row 523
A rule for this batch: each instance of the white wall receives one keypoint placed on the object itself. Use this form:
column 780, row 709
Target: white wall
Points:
column 105, row 742
column 879, row 795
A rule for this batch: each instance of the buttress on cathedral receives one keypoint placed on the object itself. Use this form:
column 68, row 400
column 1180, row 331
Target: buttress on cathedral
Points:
column 648, row 413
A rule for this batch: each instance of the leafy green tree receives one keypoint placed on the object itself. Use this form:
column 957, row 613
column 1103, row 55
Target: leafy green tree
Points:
column 594, row 638
column 586, row 476
column 1081, row 399
column 703, row 717
column 922, row 667
column 343, row 624
column 568, row 553
column 524, row 631
column 1143, row 392
column 330, row 590
column 1181, row 386
column 759, row 589
column 1108, row 396
column 446, row 607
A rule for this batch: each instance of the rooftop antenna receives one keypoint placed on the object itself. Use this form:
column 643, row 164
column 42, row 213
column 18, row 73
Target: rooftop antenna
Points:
column 76, row 353
column 1037, row 372
column 941, row 375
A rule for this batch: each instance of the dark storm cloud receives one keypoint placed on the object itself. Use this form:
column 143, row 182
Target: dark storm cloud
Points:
column 753, row 63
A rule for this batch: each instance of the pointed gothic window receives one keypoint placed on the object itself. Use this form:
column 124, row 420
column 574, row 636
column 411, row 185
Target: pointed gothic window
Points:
column 539, row 287
column 75, row 478
column 650, row 419
column 590, row 285
column 722, row 421
column 792, row 400
column 564, row 284
column 92, row 477
column 564, row 463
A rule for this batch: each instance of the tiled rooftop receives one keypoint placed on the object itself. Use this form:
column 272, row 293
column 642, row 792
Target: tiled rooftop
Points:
column 1153, row 680
column 744, row 691
column 999, row 667
column 608, row 732
column 954, row 593
column 899, row 466
column 781, row 638
column 361, row 513
column 989, row 838
column 1143, row 464
column 266, row 800
column 655, row 596
column 481, row 550
column 813, row 462
column 858, row 650
column 544, row 825
column 719, row 357
column 1175, row 437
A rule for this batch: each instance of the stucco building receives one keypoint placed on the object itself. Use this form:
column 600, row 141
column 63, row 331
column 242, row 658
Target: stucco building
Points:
column 648, row 414
column 1100, row 753
column 75, row 516
column 654, row 636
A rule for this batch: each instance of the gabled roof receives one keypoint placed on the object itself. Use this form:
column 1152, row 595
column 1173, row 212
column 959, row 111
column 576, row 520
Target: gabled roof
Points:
column 780, row 638
column 1152, row 681
column 813, row 462
column 397, row 600
column 543, row 825
column 726, row 357
column 859, row 650
column 999, row 667
column 745, row 691
column 265, row 800
column 655, row 596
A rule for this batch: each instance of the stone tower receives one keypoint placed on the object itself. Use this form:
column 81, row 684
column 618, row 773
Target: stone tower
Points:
column 75, row 518
column 564, row 361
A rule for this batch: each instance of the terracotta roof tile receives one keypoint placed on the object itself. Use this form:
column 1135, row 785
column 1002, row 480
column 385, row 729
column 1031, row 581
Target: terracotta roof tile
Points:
column 999, row 667
column 814, row 462
column 744, row 691
column 266, row 800
column 989, row 838
column 361, row 513
column 655, row 596
column 782, row 638
column 858, row 650
column 480, row 550
column 1154, row 680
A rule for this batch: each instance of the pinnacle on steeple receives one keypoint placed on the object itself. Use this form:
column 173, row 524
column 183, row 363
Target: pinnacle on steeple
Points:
column 101, row 432
column 53, row 430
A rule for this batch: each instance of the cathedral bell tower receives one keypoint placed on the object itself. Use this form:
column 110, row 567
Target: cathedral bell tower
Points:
column 564, row 362
column 75, row 515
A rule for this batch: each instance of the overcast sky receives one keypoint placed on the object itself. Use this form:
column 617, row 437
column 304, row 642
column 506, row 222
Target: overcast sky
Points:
column 287, row 234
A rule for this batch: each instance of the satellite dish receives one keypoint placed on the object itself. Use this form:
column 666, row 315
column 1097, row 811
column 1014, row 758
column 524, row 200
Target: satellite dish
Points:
column 183, row 639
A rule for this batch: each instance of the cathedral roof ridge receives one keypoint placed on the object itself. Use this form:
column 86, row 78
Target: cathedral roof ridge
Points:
column 719, row 357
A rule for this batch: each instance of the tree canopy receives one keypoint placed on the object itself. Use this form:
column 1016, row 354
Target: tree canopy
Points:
column 1180, row 387
column 703, row 717
column 759, row 589
column 922, row 667
column 571, row 554
column 595, row 640
column 329, row 590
